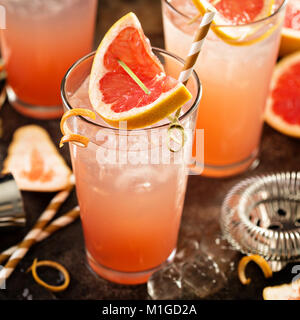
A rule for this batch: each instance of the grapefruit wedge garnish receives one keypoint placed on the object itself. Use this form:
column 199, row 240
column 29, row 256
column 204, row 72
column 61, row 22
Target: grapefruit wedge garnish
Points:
column 290, row 35
column 237, row 12
column 35, row 162
column 283, row 105
column 113, row 92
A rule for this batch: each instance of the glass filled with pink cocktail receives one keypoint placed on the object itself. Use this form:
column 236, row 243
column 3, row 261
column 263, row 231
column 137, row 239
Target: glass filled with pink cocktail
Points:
column 42, row 39
column 130, row 185
column 235, row 67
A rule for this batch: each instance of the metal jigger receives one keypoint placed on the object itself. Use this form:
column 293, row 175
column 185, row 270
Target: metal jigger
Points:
column 11, row 203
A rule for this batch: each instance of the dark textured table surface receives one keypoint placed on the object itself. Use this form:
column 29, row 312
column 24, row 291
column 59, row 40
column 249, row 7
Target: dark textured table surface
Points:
column 200, row 216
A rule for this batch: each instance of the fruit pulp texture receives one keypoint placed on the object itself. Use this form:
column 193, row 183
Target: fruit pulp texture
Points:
column 117, row 87
column 284, row 95
column 38, row 48
column 130, row 213
column 235, row 83
column 292, row 16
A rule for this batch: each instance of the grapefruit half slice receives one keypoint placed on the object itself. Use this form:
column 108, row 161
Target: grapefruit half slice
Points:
column 113, row 93
column 236, row 12
column 290, row 35
column 283, row 105
column 35, row 162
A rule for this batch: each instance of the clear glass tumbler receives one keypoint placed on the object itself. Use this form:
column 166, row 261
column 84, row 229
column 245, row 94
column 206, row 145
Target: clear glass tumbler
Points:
column 236, row 75
column 42, row 39
column 130, row 185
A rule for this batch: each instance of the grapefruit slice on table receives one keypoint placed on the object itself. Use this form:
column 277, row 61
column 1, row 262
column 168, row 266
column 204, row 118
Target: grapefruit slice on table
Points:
column 35, row 162
column 289, row 291
column 290, row 35
column 114, row 94
column 283, row 105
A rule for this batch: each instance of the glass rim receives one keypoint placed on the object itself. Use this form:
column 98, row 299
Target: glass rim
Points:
column 191, row 109
column 281, row 7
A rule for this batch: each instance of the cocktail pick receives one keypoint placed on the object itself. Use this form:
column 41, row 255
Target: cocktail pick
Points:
column 54, row 226
column 31, row 237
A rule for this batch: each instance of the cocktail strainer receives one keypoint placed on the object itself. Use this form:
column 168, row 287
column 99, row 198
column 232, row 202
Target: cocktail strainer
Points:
column 261, row 215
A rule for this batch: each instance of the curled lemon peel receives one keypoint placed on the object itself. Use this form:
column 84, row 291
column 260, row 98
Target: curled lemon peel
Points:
column 54, row 265
column 260, row 261
column 68, row 135
column 77, row 139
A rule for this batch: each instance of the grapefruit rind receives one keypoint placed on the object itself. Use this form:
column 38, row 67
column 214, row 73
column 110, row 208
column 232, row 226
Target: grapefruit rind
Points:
column 271, row 118
column 140, row 117
column 290, row 41
column 168, row 103
column 290, row 38
column 25, row 140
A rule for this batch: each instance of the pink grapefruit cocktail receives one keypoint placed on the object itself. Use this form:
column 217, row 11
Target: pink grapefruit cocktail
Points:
column 236, row 78
column 41, row 41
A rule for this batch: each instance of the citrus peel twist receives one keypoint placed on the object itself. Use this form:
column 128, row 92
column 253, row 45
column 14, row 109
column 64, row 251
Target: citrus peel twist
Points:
column 176, row 126
column 260, row 261
column 68, row 135
column 54, row 265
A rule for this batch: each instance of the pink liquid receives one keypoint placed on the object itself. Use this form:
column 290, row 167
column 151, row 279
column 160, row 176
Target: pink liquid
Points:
column 235, row 87
column 130, row 217
column 130, row 213
column 41, row 41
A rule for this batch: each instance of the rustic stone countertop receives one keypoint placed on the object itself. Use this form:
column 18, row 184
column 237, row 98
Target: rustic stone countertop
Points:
column 200, row 215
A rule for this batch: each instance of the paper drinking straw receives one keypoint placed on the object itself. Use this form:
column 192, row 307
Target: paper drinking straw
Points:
column 187, row 70
column 195, row 49
column 196, row 46
column 7, row 253
column 54, row 226
column 59, row 223
column 35, row 232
